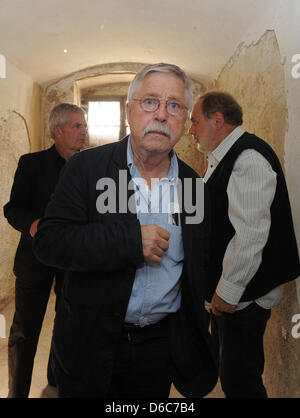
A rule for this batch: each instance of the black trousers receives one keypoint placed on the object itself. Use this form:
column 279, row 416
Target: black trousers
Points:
column 239, row 352
column 31, row 299
column 142, row 363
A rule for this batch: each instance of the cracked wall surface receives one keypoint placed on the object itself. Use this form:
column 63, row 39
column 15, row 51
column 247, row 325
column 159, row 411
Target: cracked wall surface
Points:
column 19, row 134
column 255, row 77
column 14, row 142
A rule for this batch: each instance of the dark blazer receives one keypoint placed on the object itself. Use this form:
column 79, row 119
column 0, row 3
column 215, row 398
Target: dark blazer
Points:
column 34, row 182
column 100, row 253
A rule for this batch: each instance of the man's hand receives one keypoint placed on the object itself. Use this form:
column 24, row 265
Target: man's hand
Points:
column 219, row 306
column 33, row 228
column 155, row 242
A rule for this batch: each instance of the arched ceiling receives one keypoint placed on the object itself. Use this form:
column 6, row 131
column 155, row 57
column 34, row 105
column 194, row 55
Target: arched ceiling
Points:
column 198, row 35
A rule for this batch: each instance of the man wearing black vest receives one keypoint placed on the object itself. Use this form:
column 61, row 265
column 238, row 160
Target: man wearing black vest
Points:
column 253, row 245
column 35, row 180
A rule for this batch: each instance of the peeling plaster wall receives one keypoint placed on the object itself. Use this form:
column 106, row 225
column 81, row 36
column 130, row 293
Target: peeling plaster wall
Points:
column 19, row 134
column 255, row 76
column 66, row 90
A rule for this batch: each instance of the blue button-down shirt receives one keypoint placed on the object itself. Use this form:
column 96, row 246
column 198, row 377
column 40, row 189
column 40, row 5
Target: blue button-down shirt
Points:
column 156, row 289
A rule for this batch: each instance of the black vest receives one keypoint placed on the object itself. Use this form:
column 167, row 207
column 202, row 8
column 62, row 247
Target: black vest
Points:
column 280, row 258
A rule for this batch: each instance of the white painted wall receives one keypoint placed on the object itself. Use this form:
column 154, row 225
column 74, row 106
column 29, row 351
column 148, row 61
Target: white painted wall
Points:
column 16, row 91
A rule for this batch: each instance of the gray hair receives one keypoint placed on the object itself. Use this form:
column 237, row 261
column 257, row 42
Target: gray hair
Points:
column 164, row 68
column 59, row 115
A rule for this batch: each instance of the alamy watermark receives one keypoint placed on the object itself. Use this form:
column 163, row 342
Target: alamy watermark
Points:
column 296, row 67
column 2, row 66
column 190, row 194
column 296, row 328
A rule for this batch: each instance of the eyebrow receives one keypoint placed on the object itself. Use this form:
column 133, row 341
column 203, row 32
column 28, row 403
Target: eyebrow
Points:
column 158, row 97
column 174, row 98
column 79, row 123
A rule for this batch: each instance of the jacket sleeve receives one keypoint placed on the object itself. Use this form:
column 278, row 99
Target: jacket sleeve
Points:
column 18, row 210
column 67, row 239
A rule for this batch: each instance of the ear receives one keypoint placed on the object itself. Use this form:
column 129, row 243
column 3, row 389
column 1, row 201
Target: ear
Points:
column 57, row 131
column 219, row 120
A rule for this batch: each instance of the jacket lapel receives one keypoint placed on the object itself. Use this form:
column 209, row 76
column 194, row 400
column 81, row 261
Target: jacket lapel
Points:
column 119, row 172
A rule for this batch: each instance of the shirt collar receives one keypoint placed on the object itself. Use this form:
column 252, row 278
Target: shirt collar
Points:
column 173, row 170
column 222, row 149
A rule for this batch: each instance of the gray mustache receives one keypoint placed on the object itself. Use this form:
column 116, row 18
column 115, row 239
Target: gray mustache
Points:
column 158, row 127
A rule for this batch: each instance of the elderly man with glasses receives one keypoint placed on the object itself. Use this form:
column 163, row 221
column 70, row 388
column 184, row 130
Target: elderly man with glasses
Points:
column 132, row 319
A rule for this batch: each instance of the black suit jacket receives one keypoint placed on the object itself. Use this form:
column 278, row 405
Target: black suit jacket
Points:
column 100, row 252
column 34, row 182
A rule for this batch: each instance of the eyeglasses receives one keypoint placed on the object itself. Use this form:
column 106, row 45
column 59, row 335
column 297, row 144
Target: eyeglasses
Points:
column 151, row 104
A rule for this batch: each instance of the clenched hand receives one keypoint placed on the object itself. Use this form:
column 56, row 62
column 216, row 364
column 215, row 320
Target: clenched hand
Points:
column 155, row 242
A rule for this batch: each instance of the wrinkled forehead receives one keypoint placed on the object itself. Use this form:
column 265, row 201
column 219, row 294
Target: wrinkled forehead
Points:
column 76, row 116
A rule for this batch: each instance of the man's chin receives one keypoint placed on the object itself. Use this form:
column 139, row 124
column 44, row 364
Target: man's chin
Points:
column 81, row 144
column 157, row 146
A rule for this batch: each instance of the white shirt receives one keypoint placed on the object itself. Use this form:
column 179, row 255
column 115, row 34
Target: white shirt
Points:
column 251, row 189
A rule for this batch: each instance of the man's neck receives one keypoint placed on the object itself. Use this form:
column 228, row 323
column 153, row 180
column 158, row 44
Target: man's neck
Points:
column 227, row 129
column 152, row 166
column 64, row 153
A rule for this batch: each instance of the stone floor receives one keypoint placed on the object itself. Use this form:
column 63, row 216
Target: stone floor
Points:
column 39, row 386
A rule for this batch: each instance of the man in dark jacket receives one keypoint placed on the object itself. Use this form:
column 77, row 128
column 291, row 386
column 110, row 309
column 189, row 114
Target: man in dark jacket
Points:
column 253, row 244
column 34, row 182
column 132, row 317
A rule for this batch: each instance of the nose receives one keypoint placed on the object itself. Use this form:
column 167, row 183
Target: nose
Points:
column 161, row 113
column 84, row 129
